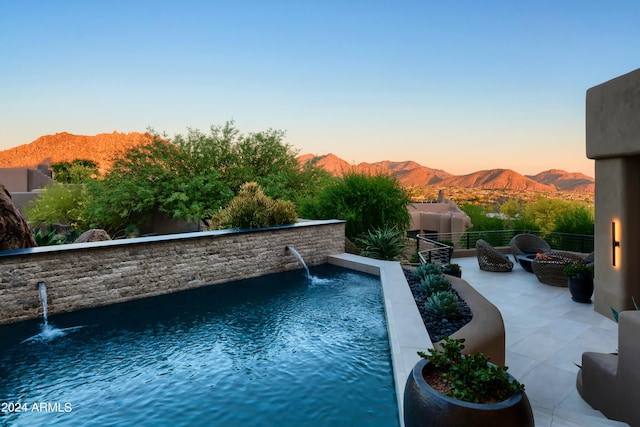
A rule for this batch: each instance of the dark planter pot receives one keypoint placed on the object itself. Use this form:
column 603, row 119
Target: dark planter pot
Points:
column 424, row 406
column 581, row 288
column 452, row 271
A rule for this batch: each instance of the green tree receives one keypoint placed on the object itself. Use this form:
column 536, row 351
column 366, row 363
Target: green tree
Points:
column 515, row 217
column 366, row 202
column 192, row 176
column 544, row 212
column 481, row 219
column 155, row 177
column 577, row 218
column 74, row 172
column 261, row 157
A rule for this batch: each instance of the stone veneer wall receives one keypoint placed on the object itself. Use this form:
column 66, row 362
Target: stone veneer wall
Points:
column 88, row 275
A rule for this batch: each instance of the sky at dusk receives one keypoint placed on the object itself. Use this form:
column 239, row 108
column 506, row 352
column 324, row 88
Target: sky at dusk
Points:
column 455, row 85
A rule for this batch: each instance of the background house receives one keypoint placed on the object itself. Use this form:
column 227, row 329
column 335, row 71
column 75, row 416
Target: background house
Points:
column 23, row 183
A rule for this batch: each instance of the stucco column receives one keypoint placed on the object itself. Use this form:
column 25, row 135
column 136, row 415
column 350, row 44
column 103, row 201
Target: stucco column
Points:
column 613, row 141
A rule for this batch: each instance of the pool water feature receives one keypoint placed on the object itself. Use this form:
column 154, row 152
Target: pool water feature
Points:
column 281, row 350
column 300, row 259
column 42, row 290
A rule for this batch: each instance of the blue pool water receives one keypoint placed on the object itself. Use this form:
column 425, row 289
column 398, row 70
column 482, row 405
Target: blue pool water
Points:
column 281, row 350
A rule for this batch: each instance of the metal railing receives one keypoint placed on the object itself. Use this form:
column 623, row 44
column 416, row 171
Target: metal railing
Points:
column 433, row 251
column 583, row 243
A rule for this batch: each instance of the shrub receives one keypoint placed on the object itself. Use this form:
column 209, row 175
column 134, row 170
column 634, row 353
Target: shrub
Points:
column 282, row 212
column 193, row 176
column 387, row 243
column 251, row 208
column 444, row 304
column 435, row 283
column 365, row 201
column 57, row 204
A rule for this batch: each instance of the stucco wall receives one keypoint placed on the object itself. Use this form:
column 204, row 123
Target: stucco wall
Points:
column 613, row 140
column 612, row 125
column 93, row 274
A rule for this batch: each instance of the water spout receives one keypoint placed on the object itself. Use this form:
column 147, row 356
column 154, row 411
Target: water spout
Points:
column 48, row 332
column 43, row 300
column 300, row 259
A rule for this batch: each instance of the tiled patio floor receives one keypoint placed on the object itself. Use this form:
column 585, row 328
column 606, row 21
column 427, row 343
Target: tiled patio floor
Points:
column 546, row 334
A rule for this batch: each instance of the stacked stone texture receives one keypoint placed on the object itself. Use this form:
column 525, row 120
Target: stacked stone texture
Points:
column 90, row 275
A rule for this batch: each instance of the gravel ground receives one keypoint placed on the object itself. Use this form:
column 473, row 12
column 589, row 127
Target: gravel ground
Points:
column 437, row 327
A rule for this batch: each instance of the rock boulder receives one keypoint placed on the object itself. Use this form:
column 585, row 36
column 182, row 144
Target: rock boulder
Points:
column 93, row 235
column 14, row 230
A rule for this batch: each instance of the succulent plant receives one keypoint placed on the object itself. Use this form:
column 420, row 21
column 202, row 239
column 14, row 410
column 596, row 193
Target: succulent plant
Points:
column 423, row 270
column 387, row 243
column 433, row 283
column 444, row 304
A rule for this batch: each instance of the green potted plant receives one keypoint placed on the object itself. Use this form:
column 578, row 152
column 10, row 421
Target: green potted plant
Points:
column 448, row 388
column 580, row 281
column 452, row 269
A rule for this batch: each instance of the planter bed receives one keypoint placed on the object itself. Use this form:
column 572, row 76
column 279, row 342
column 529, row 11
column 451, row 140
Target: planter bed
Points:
column 482, row 328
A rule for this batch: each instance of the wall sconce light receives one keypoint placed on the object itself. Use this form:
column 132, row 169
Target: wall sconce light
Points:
column 614, row 243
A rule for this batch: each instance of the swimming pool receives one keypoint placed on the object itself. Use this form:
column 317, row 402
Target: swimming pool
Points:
column 281, row 350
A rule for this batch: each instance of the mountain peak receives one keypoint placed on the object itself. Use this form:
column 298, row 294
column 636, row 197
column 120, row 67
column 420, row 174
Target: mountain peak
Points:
column 66, row 147
column 412, row 174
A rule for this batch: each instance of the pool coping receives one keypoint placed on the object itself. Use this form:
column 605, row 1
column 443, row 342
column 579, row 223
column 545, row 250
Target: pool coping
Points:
column 407, row 333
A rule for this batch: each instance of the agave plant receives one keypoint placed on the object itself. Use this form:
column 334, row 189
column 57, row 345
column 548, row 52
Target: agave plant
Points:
column 435, row 283
column 387, row 243
column 44, row 238
column 444, row 304
column 423, row 270
column 615, row 312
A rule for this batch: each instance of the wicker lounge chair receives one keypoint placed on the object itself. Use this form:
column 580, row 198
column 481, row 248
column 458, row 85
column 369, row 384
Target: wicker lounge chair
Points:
column 549, row 266
column 489, row 259
column 527, row 244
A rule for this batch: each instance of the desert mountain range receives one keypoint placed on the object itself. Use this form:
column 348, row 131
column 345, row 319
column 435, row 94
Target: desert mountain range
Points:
column 413, row 174
column 103, row 148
